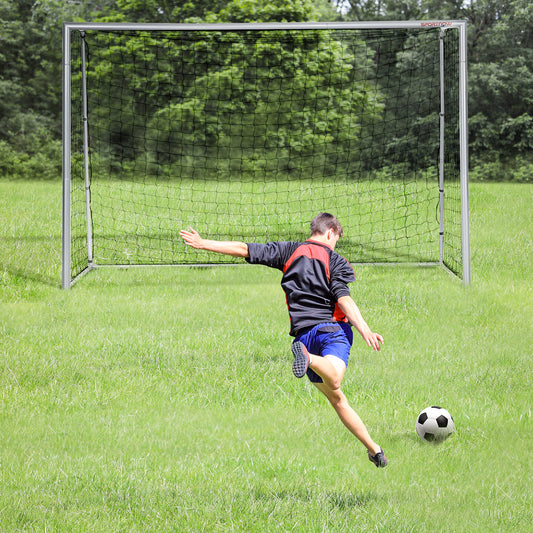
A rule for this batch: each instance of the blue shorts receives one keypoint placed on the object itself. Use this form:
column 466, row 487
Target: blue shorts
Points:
column 329, row 338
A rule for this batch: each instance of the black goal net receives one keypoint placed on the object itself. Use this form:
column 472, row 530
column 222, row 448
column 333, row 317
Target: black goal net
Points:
column 247, row 135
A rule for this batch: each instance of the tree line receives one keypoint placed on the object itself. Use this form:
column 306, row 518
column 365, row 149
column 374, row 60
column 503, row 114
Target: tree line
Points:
column 500, row 50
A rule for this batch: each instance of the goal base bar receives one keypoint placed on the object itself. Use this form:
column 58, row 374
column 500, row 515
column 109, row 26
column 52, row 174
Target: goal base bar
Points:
column 412, row 265
column 68, row 283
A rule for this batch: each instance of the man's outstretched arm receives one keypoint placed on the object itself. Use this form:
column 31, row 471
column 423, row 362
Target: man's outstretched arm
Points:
column 350, row 309
column 234, row 248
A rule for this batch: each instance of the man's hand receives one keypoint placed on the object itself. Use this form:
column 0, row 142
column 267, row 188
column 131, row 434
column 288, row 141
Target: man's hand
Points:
column 235, row 248
column 374, row 340
column 192, row 238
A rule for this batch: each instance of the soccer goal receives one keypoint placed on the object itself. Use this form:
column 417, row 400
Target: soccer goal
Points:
column 246, row 131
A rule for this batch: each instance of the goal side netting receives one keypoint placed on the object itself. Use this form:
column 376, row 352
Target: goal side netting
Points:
column 246, row 132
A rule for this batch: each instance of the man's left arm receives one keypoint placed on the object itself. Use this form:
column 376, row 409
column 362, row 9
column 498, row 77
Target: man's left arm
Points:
column 234, row 248
column 354, row 316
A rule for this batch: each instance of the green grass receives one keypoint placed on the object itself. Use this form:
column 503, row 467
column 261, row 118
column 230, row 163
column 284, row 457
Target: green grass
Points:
column 162, row 399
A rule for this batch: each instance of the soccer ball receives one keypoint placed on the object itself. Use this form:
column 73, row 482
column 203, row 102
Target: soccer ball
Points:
column 434, row 424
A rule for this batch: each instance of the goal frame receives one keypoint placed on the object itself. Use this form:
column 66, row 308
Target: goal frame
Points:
column 68, row 28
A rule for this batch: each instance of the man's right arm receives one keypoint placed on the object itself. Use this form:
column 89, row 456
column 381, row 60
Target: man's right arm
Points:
column 234, row 248
column 354, row 316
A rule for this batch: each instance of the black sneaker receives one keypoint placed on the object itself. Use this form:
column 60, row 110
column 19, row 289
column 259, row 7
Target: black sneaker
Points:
column 379, row 459
column 301, row 359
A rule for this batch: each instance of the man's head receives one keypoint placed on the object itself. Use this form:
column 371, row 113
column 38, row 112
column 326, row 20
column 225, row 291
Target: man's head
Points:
column 325, row 222
column 325, row 228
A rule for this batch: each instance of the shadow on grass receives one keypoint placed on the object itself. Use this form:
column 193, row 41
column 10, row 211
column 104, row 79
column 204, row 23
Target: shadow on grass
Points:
column 32, row 259
column 336, row 500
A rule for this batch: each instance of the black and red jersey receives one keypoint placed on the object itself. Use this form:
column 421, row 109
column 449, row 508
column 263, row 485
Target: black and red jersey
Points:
column 314, row 278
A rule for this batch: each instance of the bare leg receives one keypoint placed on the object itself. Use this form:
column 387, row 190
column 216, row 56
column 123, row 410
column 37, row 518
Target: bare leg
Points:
column 331, row 369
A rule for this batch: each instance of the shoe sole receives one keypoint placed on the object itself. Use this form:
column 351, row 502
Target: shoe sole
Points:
column 301, row 360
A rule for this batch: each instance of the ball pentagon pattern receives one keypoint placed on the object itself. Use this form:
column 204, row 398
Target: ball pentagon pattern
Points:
column 434, row 424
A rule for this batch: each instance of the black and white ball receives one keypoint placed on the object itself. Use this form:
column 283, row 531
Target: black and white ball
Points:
column 434, row 424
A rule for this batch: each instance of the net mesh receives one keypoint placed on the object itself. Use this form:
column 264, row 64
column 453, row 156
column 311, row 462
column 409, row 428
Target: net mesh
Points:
column 248, row 135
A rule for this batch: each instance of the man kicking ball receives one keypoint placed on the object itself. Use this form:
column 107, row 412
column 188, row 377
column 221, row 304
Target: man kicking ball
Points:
column 321, row 310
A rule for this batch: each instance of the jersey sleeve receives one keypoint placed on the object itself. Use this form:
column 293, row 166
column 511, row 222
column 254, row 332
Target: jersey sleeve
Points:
column 342, row 273
column 271, row 254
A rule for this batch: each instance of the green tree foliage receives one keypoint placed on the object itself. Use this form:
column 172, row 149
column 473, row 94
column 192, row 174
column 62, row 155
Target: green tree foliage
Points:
column 217, row 11
column 500, row 57
column 500, row 66
column 30, row 88
column 501, row 79
column 214, row 113
column 230, row 93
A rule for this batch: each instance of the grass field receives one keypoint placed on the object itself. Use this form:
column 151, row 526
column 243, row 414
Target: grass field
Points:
column 162, row 399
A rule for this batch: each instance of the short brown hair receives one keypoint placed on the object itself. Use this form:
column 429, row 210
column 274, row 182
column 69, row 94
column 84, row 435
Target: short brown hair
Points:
column 324, row 222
